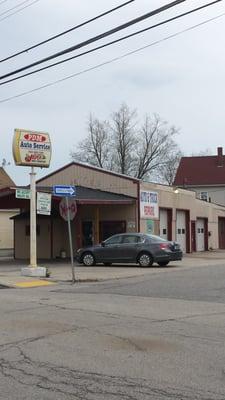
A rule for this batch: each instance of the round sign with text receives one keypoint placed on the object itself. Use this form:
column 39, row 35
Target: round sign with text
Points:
column 68, row 208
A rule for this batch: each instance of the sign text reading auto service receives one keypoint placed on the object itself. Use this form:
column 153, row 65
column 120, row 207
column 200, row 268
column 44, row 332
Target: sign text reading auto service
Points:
column 149, row 206
column 31, row 148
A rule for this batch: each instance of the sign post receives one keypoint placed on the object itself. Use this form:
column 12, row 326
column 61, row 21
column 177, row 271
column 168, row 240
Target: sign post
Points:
column 70, row 240
column 67, row 210
column 33, row 231
column 32, row 149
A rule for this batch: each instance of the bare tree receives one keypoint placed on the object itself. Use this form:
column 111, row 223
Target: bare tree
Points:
column 167, row 171
column 95, row 148
column 121, row 146
column 123, row 139
column 155, row 141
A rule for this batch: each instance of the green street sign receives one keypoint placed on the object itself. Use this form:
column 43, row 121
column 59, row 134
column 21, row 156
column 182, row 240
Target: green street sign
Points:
column 23, row 194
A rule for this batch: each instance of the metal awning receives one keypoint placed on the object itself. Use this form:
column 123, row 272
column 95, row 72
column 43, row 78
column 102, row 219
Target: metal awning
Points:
column 84, row 195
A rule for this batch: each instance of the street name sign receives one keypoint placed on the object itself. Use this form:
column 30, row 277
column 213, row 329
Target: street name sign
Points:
column 23, row 194
column 64, row 191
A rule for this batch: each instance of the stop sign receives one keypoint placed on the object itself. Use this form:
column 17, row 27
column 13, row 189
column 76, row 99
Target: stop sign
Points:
column 68, row 212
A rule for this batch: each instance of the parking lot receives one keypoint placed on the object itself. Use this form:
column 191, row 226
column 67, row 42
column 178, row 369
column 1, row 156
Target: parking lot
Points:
column 60, row 270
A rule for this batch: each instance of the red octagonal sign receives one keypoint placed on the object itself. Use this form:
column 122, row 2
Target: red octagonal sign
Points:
column 72, row 207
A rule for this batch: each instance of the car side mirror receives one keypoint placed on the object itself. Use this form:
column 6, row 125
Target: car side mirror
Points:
column 103, row 244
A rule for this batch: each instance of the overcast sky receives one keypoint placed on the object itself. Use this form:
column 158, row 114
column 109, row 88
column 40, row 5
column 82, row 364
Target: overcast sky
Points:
column 181, row 79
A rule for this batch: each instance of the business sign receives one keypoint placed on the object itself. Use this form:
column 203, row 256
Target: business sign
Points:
column 44, row 203
column 68, row 209
column 149, row 205
column 23, row 194
column 149, row 226
column 31, row 148
column 64, row 190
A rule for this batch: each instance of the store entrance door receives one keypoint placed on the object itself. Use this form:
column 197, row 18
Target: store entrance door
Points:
column 109, row 228
column 87, row 233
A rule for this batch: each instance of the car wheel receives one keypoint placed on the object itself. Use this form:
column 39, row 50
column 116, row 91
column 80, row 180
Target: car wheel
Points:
column 107, row 264
column 163, row 263
column 88, row 259
column 145, row 260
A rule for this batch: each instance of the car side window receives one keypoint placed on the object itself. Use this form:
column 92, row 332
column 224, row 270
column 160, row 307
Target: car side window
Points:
column 130, row 239
column 141, row 239
column 155, row 239
column 113, row 240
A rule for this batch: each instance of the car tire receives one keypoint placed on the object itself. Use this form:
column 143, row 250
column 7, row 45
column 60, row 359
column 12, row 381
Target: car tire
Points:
column 145, row 260
column 88, row 259
column 107, row 264
column 163, row 263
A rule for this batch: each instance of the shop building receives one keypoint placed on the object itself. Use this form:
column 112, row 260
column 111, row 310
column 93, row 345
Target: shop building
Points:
column 109, row 203
column 106, row 203
column 194, row 223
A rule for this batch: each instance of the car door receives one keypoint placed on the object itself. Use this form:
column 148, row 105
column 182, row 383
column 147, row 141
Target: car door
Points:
column 110, row 249
column 130, row 247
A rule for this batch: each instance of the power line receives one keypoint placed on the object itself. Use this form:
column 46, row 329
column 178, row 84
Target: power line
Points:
column 65, row 32
column 17, row 11
column 112, row 42
column 112, row 60
column 13, row 8
column 96, row 38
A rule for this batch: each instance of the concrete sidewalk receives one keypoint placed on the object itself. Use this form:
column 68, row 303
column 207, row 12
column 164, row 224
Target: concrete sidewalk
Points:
column 60, row 270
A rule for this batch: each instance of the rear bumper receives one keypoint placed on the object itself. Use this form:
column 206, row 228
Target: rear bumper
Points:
column 171, row 256
column 176, row 256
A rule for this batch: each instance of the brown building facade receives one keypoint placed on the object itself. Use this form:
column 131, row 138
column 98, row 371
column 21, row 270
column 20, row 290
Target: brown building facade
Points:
column 109, row 203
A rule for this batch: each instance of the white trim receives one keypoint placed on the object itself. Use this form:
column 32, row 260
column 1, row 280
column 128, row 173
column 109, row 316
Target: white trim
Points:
column 10, row 210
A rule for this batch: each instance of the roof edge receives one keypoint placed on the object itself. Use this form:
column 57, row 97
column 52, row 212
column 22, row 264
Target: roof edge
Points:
column 92, row 167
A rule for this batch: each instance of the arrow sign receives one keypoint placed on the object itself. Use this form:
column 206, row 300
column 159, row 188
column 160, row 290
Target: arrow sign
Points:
column 64, row 191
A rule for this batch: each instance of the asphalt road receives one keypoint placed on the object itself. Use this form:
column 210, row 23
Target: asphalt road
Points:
column 155, row 337
column 193, row 284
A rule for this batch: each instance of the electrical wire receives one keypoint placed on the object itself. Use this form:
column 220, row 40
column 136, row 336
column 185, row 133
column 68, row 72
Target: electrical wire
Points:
column 110, row 43
column 17, row 11
column 96, row 38
column 13, row 8
column 111, row 60
column 65, row 32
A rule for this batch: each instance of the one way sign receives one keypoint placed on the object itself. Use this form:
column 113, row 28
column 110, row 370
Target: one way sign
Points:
column 64, row 191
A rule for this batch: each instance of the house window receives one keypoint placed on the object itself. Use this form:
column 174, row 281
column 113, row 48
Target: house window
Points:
column 204, row 196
